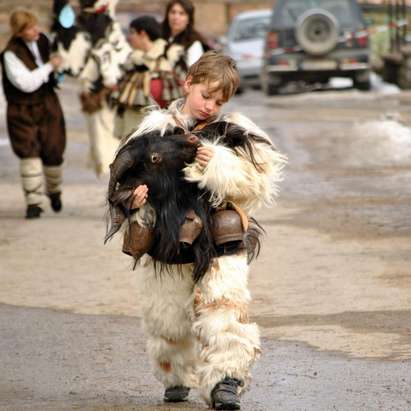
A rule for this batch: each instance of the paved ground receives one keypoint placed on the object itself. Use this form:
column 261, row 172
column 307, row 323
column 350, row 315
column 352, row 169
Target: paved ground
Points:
column 331, row 287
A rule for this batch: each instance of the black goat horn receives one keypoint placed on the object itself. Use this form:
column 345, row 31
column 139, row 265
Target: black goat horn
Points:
column 116, row 219
column 123, row 161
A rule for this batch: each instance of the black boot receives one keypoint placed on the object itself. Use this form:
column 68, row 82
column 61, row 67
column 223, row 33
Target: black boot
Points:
column 33, row 211
column 55, row 201
column 224, row 395
column 176, row 394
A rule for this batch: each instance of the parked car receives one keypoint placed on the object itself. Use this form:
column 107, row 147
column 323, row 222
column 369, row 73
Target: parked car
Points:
column 314, row 40
column 245, row 42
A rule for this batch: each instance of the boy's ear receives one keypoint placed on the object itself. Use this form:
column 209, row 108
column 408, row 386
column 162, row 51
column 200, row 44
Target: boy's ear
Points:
column 187, row 84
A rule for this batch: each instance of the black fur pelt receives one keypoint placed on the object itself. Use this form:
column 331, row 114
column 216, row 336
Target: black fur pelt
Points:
column 158, row 161
column 233, row 136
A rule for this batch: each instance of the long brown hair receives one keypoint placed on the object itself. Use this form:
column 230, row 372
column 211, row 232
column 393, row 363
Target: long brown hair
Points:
column 188, row 36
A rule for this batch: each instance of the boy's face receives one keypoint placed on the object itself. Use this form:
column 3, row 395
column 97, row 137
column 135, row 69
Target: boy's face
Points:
column 200, row 102
column 135, row 39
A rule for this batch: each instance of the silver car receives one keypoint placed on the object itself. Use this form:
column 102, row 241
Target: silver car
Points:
column 245, row 42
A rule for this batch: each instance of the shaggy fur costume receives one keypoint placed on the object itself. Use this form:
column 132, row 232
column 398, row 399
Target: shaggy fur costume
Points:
column 93, row 50
column 198, row 328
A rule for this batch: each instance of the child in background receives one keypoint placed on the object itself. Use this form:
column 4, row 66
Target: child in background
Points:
column 149, row 78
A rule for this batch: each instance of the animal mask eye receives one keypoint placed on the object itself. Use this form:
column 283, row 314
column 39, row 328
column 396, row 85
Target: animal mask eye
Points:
column 155, row 158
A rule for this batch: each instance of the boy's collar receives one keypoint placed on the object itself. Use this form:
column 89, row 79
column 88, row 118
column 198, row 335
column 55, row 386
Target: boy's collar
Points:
column 185, row 121
column 176, row 109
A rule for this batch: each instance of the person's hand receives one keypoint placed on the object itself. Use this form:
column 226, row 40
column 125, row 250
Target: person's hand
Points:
column 139, row 196
column 204, row 155
column 56, row 61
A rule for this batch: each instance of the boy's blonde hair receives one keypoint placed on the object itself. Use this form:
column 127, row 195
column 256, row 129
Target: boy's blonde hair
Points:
column 20, row 19
column 216, row 70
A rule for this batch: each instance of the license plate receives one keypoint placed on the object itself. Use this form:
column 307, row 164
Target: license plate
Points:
column 319, row 65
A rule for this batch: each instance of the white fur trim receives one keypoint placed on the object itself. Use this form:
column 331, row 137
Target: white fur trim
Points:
column 244, row 122
column 106, row 59
column 204, row 345
column 155, row 120
column 74, row 59
column 166, row 302
column 174, row 53
column 226, row 278
column 145, row 216
column 229, row 346
column 103, row 144
column 233, row 177
column 164, row 298
column 110, row 54
column 182, row 357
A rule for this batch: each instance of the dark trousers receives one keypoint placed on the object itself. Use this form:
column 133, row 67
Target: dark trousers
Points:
column 38, row 130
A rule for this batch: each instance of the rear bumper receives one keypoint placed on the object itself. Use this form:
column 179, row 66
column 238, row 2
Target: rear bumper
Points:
column 336, row 63
column 249, row 72
column 280, row 68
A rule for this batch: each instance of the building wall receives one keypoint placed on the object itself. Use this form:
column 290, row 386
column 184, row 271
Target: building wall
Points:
column 212, row 16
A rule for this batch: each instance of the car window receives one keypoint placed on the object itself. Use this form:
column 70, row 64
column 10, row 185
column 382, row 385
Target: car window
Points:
column 293, row 9
column 249, row 29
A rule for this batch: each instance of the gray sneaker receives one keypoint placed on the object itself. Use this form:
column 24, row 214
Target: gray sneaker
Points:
column 224, row 395
column 176, row 394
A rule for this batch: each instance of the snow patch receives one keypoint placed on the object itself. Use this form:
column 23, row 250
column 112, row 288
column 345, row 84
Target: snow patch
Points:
column 383, row 142
column 340, row 82
column 377, row 84
column 4, row 142
column 390, row 129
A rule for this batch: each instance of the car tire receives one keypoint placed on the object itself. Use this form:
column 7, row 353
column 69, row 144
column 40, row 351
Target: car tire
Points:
column 239, row 91
column 361, row 81
column 271, row 90
column 404, row 74
column 317, row 32
column 270, row 84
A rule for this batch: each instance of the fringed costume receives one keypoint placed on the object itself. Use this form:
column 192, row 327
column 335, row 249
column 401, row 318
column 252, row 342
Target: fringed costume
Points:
column 93, row 51
column 135, row 91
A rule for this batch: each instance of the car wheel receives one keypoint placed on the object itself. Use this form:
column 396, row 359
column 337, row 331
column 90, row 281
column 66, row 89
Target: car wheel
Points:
column 270, row 84
column 239, row 91
column 271, row 90
column 317, row 32
column 404, row 74
column 362, row 81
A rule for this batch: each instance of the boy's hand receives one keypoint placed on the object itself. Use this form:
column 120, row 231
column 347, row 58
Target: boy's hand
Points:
column 139, row 196
column 204, row 155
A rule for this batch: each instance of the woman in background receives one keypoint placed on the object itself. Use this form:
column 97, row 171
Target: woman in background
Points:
column 178, row 27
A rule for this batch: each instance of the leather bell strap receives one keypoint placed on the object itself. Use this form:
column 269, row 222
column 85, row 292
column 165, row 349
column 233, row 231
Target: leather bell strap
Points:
column 242, row 214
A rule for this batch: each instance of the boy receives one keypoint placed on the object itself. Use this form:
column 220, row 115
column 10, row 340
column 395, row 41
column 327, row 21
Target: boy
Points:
column 198, row 331
column 35, row 119
column 149, row 78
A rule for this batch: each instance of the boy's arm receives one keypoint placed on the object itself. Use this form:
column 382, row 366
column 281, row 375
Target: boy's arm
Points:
column 231, row 175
